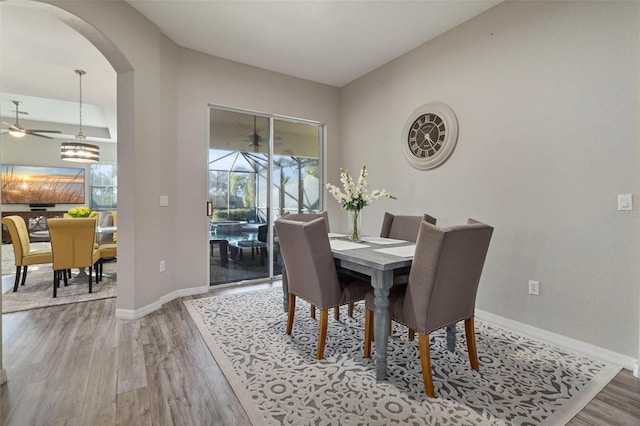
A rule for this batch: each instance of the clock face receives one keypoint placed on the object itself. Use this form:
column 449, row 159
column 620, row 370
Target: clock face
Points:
column 426, row 135
column 429, row 136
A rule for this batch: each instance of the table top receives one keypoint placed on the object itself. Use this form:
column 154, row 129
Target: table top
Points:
column 99, row 230
column 367, row 252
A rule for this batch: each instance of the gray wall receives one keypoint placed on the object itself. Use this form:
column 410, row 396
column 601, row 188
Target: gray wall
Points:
column 546, row 96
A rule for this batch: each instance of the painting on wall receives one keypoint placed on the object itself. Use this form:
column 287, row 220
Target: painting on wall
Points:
column 42, row 185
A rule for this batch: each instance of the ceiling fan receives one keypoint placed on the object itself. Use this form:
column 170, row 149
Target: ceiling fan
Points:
column 17, row 131
column 255, row 139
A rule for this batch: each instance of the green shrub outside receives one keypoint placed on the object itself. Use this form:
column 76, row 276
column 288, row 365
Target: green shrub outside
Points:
column 232, row 214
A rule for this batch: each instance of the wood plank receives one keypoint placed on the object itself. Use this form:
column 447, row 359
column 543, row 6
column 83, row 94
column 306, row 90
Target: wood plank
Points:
column 99, row 406
column 131, row 364
column 134, row 408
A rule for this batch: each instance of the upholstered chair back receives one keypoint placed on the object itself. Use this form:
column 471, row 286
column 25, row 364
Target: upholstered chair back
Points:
column 114, row 215
column 311, row 270
column 19, row 236
column 403, row 227
column 307, row 217
column 72, row 242
column 105, row 218
column 445, row 274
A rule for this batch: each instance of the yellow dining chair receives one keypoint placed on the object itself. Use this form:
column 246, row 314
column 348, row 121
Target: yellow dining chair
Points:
column 72, row 245
column 22, row 249
column 104, row 251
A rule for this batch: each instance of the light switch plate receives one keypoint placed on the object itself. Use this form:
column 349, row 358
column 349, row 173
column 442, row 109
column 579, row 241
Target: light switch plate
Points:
column 625, row 202
column 164, row 200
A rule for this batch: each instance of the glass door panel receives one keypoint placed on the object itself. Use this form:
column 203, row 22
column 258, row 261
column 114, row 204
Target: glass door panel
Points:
column 238, row 164
column 246, row 183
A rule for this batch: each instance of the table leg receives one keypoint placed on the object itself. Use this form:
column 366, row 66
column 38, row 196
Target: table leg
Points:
column 451, row 337
column 381, row 282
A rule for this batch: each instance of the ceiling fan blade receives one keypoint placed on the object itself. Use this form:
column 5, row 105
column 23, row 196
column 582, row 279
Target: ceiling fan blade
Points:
column 29, row 132
column 42, row 131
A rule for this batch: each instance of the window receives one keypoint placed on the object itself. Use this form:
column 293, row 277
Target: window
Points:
column 104, row 186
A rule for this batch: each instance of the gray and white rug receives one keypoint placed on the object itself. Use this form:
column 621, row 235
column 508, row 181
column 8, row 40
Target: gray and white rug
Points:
column 278, row 380
column 38, row 289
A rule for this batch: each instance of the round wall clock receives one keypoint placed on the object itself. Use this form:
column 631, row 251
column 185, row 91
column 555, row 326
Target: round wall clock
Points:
column 430, row 135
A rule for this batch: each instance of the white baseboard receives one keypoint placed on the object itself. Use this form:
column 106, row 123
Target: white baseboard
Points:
column 559, row 340
column 129, row 314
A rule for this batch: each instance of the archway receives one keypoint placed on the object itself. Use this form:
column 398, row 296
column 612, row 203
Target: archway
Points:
column 125, row 105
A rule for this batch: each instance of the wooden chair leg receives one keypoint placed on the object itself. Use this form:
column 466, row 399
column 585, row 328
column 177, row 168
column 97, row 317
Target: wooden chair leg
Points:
column 322, row 332
column 411, row 334
column 425, row 362
column 65, row 279
column 56, row 280
column 390, row 327
column 312, row 311
column 24, row 274
column 336, row 313
column 350, row 310
column 471, row 343
column 17, row 281
column 90, row 279
column 368, row 332
column 291, row 312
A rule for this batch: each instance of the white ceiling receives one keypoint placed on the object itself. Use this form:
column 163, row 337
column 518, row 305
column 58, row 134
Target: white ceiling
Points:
column 330, row 42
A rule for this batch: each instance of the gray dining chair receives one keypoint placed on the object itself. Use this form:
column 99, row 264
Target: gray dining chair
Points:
column 442, row 288
column 399, row 227
column 312, row 273
column 403, row 227
column 308, row 217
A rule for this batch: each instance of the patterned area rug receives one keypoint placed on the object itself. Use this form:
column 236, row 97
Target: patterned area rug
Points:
column 38, row 291
column 278, row 380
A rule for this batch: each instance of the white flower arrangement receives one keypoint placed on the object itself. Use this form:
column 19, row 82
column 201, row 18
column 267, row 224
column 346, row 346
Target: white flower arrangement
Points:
column 355, row 197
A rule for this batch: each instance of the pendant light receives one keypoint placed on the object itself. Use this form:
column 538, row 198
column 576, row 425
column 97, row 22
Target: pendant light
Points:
column 78, row 150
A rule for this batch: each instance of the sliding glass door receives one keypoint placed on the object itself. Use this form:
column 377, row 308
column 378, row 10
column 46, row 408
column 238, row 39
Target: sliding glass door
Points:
column 260, row 167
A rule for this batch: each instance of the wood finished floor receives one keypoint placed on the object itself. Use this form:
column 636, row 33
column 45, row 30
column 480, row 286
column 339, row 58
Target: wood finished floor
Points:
column 77, row 365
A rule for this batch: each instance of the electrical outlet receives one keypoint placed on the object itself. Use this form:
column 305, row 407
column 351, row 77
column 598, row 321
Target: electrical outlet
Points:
column 534, row 287
column 162, row 266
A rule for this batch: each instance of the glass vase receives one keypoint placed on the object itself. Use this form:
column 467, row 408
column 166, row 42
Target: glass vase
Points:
column 355, row 224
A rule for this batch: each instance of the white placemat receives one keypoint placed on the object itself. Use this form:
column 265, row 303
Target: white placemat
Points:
column 334, row 235
column 402, row 251
column 345, row 245
column 381, row 240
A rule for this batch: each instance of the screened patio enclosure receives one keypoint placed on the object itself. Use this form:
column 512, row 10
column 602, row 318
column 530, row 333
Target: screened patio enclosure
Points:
column 239, row 185
column 260, row 168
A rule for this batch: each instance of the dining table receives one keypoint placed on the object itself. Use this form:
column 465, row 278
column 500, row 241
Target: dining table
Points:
column 378, row 258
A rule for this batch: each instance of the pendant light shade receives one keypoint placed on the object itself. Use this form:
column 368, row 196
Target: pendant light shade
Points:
column 78, row 150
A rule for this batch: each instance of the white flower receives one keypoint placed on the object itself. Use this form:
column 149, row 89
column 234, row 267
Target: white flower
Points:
column 355, row 196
